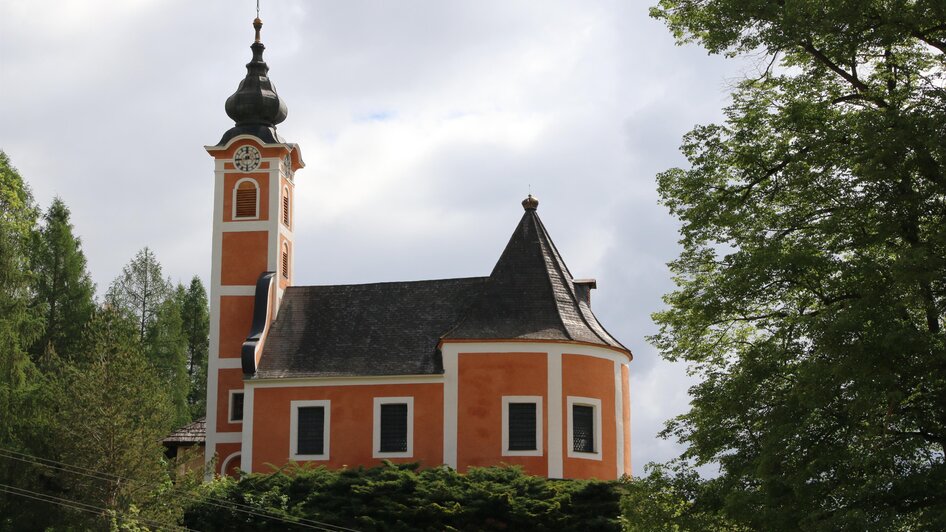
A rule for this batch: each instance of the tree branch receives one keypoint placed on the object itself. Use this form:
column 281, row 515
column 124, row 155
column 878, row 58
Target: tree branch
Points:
column 849, row 77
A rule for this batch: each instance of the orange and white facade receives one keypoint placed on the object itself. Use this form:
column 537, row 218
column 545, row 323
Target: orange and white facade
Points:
column 510, row 368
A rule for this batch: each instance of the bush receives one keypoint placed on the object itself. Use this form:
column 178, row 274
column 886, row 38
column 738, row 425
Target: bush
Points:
column 402, row 497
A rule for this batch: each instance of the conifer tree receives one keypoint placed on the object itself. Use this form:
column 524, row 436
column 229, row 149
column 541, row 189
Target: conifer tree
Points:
column 196, row 319
column 140, row 290
column 63, row 290
column 113, row 412
column 166, row 349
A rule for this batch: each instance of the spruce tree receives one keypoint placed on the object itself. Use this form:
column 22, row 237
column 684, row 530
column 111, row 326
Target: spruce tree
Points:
column 196, row 319
column 165, row 348
column 63, row 290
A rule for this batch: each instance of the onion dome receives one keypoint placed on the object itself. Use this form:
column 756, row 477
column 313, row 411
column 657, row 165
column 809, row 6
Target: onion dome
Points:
column 255, row 107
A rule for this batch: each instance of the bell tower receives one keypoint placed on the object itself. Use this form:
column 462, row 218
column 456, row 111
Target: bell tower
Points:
column 254, row 171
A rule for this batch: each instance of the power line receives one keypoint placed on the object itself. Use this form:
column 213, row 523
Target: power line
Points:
column 213, row 501
column 78, row 505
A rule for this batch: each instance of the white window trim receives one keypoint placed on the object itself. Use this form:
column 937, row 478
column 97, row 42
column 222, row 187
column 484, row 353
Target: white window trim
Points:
column 376, row 433
column 294, row 407
column 535, row 399
column 233, row 200
column 230, row 407
column 596, row 404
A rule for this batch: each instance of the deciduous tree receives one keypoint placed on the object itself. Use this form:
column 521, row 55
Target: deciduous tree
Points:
column 812, row 281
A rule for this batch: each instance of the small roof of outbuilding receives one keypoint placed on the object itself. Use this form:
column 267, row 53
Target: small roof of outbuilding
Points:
column 194, row 432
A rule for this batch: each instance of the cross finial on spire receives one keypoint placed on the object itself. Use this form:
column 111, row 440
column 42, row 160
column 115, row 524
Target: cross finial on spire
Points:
column 257, row 23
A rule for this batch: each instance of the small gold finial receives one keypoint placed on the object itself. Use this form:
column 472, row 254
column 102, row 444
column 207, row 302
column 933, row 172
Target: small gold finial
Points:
column 530, row 203
column 258, row 24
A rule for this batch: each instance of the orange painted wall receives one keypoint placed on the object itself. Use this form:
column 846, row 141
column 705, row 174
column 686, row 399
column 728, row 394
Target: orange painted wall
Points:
column 586, row 376
column 236, row 316
column 227, row 379
column 224, row 451
column 351, row 424
column 243, row 257
column 625, row 384
column 229, row 181
column 483, row 381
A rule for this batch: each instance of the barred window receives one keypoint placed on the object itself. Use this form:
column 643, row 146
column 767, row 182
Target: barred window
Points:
column 393, row 428
column 583, row 428
column 311, row 430
column 522, row 421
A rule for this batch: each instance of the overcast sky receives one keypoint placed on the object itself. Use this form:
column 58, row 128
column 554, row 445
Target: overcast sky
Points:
column 423, row 124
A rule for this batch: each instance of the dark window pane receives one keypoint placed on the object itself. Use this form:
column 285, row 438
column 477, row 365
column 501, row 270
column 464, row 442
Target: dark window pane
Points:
column 522, row 427
column 394, row 428
column 311, row 436
column 583, row 428
column 237, row 406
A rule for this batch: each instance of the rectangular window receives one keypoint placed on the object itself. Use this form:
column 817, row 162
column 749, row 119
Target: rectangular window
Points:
column 583, row 435
column 309, row 430
column 393, row 434
column 393, row 428
column 584, row 427
column 522, row 425
column 236, row 407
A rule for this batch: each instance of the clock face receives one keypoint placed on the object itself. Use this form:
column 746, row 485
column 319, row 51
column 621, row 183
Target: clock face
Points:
column 246, row 158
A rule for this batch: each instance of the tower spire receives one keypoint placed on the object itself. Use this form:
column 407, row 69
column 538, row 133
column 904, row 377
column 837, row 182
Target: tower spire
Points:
column 255, row 107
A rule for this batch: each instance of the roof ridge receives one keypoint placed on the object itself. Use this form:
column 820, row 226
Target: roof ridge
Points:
column 568, row 279
column 378, row 283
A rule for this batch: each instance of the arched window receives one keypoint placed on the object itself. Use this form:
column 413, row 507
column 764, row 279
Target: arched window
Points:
column 246, row 199
column 285, row 260
column 285, row 206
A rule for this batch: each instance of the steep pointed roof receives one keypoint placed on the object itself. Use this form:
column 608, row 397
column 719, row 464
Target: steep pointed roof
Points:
column 531, row 295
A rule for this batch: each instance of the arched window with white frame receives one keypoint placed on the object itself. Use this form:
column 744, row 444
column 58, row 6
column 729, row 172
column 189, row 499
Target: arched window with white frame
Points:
column 246, row 199
column 285, row 260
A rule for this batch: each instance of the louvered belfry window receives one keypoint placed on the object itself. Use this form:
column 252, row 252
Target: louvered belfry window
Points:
column 583, row 428
column 393, row 428
column 246, row 200
column 285, row 261
column 285, row 207
column 522, row 427
column 311, row 433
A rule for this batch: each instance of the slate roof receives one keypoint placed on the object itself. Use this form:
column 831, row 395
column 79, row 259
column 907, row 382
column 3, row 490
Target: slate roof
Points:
column 531, row 295
column 194, row 432
column 395, row 328
column 364, row 329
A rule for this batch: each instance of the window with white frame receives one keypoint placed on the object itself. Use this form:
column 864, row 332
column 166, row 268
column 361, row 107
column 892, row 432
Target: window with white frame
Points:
column 246, row 199
column 393, row 435
column 522, row 425
column 236, row 406
column 309, row 430
column 584, row 427
column 285, row 206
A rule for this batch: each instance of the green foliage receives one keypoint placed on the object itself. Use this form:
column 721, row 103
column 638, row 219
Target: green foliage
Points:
column 812, row 282
column 166, row 349
column 112, row 413
column 196, row 320
column 401, row 497
column 673, row 501
column 140, row 290
column 63, row 290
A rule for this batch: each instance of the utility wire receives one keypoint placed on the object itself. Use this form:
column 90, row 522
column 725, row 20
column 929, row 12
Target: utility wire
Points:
column 213, row 501
column 77, row 505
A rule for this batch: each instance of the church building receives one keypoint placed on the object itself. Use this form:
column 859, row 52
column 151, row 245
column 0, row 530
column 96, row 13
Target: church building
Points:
column 509, row 368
